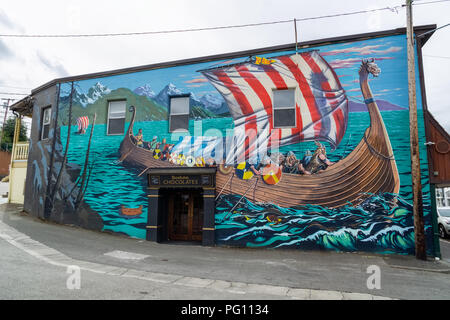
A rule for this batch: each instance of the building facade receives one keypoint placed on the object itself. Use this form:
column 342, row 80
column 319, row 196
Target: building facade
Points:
column 267, row 148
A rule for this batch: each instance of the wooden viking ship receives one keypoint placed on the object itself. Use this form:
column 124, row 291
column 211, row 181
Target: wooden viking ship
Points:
column 369, row 169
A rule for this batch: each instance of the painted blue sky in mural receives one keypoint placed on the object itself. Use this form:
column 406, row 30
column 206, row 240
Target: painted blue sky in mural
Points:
column 388, row 52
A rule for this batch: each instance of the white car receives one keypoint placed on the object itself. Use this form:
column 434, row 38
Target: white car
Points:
column 444, row 221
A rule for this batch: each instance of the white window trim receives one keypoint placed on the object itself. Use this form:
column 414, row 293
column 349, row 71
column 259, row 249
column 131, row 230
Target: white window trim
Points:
column 284, row 108
column 107, row 118
column 44, row 124
column 178, row 114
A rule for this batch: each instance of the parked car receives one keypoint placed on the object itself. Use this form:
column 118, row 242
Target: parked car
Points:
column 444, row 221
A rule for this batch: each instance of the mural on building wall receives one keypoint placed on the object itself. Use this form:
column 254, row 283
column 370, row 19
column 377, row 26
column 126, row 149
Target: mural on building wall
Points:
column 337, row 179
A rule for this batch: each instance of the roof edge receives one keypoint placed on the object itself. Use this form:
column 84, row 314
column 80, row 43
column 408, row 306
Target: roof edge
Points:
column 437, row 125
column 24, row 106
column 291, row 46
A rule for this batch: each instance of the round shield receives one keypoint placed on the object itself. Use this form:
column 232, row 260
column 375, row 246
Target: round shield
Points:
column 271, row 174
column 190, row 161
column 224, row 169
column 200, row 162
column 172, row 158
column 181, row 159
column 156, row 153
column 243, row 171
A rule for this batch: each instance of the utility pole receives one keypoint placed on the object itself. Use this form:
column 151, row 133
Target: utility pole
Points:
column 4, row 120
column 419, row 232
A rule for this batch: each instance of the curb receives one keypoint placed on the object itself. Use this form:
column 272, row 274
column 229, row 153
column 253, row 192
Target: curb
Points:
column 446, row 271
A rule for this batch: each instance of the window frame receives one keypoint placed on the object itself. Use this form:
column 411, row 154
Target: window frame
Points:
column 188, row 95
column 108, row 117
column 44, row 124
column 284, row 108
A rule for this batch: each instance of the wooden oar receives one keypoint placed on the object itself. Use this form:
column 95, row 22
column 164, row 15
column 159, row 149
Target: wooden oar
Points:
column 123, row 158
column 229, row 179
column 144, row 170
column 254, row 185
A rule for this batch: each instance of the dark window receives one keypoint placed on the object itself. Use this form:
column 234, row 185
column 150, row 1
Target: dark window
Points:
column 179, row 114
column 284, row 108
column 116, row 117
column 46, row 117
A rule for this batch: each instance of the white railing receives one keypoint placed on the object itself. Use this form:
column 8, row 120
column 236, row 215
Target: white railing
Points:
column 20, row 151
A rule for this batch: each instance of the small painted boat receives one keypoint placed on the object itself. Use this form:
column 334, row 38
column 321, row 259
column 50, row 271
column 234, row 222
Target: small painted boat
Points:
column 130, row 212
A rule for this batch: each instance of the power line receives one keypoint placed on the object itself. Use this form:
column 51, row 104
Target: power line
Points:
column 15, row 93
column 423, row 34
column 442, row 57
column 428, row 2
column 15, row 87
column 391, row 9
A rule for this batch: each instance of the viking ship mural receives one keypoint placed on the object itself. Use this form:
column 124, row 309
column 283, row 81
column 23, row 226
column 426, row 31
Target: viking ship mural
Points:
column 321, row 114
column 289, row 150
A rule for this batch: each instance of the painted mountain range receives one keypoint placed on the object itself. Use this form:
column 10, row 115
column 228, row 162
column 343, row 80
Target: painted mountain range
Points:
column 383, row 105
column 212, row 104
column 207, row 106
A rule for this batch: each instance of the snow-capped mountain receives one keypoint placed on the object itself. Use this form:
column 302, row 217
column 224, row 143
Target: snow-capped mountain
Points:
column 213, row 103
column 209, row 102
column 163, row 96
column 195, row 101
column 145, row 90
column 95, row 92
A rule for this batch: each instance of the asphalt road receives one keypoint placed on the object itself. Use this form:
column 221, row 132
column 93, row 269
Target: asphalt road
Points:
column 402, row 277
column 26, row 277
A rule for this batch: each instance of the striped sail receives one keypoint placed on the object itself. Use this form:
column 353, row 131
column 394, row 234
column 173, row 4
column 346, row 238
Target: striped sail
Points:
column 82, row 123
column 321, row 106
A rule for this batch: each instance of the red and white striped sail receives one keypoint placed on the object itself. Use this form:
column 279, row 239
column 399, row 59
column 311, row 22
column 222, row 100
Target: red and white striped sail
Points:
column 321, row 106
column 82, row 123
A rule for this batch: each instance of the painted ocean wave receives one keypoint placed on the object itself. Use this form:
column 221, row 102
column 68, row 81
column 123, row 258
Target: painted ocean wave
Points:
column 383, row 223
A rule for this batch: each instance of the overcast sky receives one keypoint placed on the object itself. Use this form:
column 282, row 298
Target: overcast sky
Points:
column 26, row 63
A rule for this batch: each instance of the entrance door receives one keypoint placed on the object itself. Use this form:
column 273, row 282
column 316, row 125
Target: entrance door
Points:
column 185, row 215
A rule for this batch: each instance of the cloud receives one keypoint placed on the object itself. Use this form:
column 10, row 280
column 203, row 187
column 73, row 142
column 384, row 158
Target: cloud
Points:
column 350, row 62
column 8, row 23
column 197, row 80
column 5, row 52
column 367, row 50
column 55, row 67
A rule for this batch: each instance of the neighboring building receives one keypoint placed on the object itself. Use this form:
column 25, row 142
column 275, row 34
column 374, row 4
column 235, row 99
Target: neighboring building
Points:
column 443, row 197
column 190, row 150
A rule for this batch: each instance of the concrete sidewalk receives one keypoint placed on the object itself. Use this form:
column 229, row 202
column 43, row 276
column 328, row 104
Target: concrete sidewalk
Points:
column 278, row 273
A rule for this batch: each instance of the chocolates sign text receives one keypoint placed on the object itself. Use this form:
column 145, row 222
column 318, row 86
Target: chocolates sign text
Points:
column 179, row 180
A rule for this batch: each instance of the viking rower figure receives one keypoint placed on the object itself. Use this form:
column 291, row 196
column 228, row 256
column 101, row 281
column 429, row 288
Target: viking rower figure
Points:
column 319, row 160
